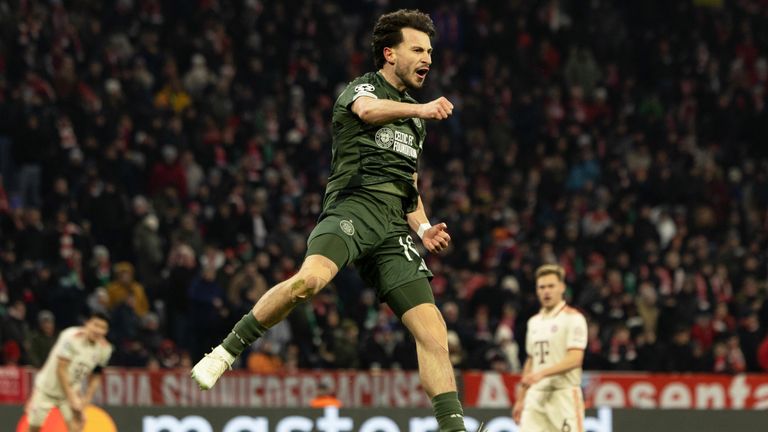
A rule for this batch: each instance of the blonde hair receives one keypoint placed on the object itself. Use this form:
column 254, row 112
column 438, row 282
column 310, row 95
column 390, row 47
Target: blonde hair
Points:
column 551, row 269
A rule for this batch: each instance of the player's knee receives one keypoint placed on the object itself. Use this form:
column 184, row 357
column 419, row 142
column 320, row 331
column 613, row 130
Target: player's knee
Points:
column 432, row 337
column 313, row 276
column 433, row 341
column 304, row 287
column 427, row 327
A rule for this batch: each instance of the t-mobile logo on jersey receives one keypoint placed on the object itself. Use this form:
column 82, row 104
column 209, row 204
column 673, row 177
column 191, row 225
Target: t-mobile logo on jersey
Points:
column 541, row 349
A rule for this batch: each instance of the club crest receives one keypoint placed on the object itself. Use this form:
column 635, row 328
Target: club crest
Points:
column 347, row 227
column 385, row 137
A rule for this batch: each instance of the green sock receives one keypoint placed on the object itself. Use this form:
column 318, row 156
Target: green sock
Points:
column 245, row 332
column 448, row 412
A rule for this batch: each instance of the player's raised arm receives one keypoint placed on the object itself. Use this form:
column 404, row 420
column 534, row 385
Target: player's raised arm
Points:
column 382, row 111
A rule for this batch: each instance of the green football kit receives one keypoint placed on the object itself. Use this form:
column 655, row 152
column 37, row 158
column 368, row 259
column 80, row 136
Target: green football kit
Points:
column 369, row 193
column 364, row 221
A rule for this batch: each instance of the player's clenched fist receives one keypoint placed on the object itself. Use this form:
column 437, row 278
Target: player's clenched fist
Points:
column 436, row 238
column 438, row 109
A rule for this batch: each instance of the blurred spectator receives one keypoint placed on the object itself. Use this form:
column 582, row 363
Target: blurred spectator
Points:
column 99, row 300
column 168, row 173
column 207, row 309
column 703, row 332
column 378, row 348
column 679, row 356
column 148, row 246
column 265, row 360
column 594, row 357
column 728, row 357
column 33, row 146
column 505, row 337
column 149, row 335
column 750, row 334
column 344, row 348
column 736, row 361
column 124, row 286
column 99, row 268
column 15, row 333
column 721, row 363
column 125, row 323
column 11, row 353
column 723, row 323
column 168, row 355
column 621, row 350
column 647, row 306
column 650, row 354
column 181, row 270
column 188, row 233
column 41, row 340
column 32, row 241
column 246, row 286
column 482, row 342
column 457, row 354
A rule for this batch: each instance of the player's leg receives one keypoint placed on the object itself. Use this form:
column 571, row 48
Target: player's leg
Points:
column 333, row 243
column 73, row 419
column 327, row 252
column 429, row 331
column 534, row 417
column 37, row 410
column 401, row 276
column 316, row 271
column 435, row 369
column 314, row 274
column 565, row 410
column 534, row 420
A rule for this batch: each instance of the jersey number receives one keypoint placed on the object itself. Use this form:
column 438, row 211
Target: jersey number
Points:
column 80, row 370
column 407, row 245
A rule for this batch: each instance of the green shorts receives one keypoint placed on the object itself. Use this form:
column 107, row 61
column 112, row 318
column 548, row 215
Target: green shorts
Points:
column 374, row 229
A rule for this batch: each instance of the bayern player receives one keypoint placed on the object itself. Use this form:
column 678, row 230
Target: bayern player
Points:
column 79, row 353
column 550, row 397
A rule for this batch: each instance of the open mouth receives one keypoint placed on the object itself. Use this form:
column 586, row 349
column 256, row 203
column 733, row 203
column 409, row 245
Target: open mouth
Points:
column 422, row 73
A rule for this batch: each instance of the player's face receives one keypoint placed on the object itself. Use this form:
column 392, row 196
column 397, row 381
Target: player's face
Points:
column 412, row 58
column 96, row 329
column 550, row 290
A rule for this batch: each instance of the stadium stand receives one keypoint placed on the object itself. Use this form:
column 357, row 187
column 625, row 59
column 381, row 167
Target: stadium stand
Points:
column 164, row 161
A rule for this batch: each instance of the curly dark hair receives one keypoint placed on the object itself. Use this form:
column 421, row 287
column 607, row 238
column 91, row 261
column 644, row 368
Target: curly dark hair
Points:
column 388, row 30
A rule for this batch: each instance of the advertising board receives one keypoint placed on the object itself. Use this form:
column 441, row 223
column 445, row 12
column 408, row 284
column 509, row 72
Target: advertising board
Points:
column 169, row 419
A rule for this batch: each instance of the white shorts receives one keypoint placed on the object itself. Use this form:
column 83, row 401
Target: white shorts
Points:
column 40, row 405
column 553, row 411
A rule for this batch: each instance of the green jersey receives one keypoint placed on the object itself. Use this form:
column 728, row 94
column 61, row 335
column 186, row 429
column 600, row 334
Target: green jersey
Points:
column 379, row 158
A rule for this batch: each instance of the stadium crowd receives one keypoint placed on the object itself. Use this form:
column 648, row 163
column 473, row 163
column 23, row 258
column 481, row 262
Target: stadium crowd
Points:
column 165, row 160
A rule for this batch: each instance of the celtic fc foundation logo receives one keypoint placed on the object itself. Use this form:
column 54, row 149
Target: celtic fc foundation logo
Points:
column 347, row 227
column 384, row 137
